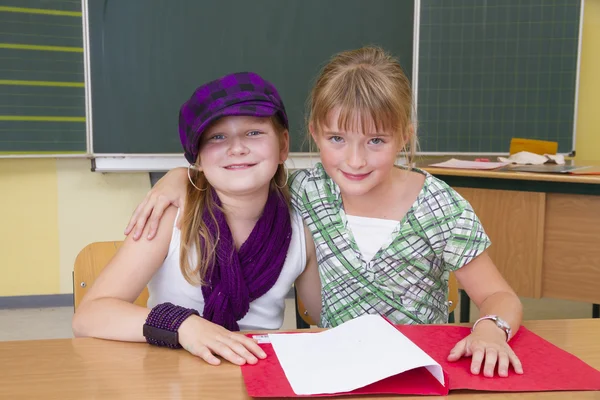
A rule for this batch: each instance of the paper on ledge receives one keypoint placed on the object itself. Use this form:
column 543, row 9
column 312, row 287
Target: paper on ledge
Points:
column 463, row 164
column 357, row 353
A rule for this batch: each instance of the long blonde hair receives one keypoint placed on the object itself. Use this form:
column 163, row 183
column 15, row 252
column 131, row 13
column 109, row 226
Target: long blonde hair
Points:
column 195, row 234
column 369, row 84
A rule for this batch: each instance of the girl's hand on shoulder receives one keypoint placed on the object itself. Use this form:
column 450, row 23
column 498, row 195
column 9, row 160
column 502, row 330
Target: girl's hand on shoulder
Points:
column 487, row 347
column 205, row 339
column 170, row 189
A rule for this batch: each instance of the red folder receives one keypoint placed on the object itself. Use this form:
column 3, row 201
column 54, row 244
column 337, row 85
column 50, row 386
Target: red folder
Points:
column 546, row 368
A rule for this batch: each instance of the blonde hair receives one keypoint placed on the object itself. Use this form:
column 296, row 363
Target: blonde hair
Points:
column 369, row 84
column 195, row 234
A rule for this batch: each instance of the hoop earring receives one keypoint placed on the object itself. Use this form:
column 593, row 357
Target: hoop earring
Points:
column 190, row 178
column 287, row 177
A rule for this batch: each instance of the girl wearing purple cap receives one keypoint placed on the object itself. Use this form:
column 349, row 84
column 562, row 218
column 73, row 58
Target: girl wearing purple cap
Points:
column 238, row 250
column 387, row 237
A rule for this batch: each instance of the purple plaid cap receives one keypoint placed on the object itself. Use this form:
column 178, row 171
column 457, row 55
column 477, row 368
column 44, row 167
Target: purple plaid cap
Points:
column 242, row 93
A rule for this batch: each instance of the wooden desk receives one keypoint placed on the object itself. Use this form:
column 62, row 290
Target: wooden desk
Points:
column 96, row 369
column 545, row 228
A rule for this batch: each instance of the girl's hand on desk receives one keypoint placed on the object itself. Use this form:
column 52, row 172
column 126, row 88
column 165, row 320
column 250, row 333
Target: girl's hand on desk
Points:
column 487, row 346
column 204, row 339
column 170, row 189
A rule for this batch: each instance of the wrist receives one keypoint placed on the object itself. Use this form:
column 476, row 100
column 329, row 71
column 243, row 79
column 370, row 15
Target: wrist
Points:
column 163, row 324
column 187, row 326
column 492, row 325
column 489, row 329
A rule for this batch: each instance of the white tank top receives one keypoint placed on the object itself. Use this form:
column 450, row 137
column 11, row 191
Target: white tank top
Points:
column 266, row 312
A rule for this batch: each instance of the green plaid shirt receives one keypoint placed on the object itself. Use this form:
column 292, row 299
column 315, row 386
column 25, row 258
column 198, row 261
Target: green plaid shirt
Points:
column 407, row 279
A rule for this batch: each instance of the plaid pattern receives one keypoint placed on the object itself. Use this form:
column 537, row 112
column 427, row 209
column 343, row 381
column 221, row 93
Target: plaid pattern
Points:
column 242, row 93
column 407, row 279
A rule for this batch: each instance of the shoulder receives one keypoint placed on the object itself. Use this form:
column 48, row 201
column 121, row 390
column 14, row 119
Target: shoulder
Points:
column 169, row 219
column 441, row 199
column 309, row 185
column 309, row 176
column 298, row 180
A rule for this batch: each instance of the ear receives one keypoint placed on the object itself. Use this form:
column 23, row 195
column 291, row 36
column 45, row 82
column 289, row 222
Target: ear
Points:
column 313, row 133
column 406, row 137
column 284, row 146
column 197, row 166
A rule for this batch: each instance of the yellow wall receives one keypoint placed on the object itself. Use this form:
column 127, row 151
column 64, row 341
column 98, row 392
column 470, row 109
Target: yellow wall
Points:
column 29, row 257
column 50, row 209
column 587, row 144
column 92, row 207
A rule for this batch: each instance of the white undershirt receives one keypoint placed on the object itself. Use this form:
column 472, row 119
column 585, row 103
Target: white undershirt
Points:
column 370, row 233
column 266, row 312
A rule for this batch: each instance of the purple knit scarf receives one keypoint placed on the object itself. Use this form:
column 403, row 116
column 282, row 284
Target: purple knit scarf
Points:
column 239, row 277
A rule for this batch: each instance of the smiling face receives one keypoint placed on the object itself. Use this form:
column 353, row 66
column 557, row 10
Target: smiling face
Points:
column 360, row 111
column 359, row 158
column 239, row 155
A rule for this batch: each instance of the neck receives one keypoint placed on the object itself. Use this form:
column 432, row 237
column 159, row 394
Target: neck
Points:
column 247, row 207
column 242, row 213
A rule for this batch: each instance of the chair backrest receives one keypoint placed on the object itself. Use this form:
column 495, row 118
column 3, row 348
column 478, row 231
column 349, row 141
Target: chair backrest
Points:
column 88, row 264
column 540, row 147
column 452, row 301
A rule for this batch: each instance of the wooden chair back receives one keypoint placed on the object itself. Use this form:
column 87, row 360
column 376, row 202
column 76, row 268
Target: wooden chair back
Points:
column 89, row 263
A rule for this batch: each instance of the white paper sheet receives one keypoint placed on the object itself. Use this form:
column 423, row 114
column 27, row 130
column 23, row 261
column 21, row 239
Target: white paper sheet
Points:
column 463, row 164
column 355, row 354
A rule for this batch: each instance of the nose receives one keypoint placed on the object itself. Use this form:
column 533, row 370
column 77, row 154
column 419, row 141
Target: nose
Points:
column 356, row 157
column 238, row 146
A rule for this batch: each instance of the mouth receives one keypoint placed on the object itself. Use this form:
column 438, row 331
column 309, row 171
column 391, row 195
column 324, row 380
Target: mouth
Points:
column 238, row 167
column 355, row 177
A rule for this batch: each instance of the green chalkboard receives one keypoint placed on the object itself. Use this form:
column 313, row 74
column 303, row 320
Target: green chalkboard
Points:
column 496, row 69
column 42, row 95
column 147, row 57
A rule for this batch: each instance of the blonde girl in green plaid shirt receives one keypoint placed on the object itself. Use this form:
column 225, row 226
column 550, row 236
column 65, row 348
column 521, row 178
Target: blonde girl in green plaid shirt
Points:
column 360, row 119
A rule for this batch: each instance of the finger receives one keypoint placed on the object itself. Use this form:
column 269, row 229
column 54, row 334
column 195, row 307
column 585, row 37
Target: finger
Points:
column 239, row 349
column 458, row 350
column 477, row 359
column 227, row 353
column 157, row 213
column 491, row 358
column 251, row 345
column 503, row 363
column 204, row 353
column 140, row 223
column 134, row 217
column 516, row 363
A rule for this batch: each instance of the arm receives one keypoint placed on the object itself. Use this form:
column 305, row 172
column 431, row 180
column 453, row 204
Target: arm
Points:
column 308, row 284
column 170, row 189
column 107, row 311
column 494, row 297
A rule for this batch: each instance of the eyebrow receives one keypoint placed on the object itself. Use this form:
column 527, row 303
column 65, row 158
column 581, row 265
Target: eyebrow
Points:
column 374, row 134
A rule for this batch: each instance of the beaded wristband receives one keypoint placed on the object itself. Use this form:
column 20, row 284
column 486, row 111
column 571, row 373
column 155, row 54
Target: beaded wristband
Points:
column 163, row 322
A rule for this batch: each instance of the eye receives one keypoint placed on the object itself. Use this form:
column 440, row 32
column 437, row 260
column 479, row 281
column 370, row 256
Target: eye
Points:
column 216, row 137
column 254, row 133
column 376, row 141
column 336, row 139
